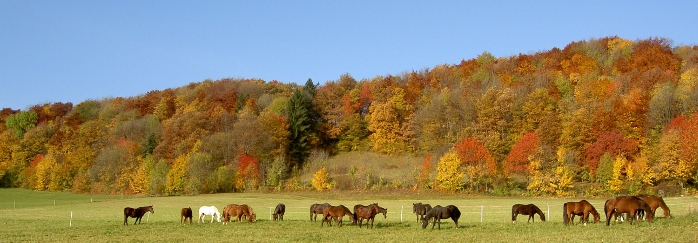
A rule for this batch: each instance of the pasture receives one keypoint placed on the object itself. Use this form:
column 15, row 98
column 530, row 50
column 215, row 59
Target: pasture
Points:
column 28, row 216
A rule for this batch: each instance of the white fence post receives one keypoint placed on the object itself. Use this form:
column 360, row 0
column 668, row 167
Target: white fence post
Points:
column 482, row 213
column 548, row 212
column 402, row 210
column 71, row 219
column 270, row 213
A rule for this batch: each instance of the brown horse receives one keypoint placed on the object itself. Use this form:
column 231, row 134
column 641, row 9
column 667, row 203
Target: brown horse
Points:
column 185, row 214
column 136, row 213
column 581, row 208
column 234, row 210
column 626, row 204
column 655, row 202
column 439, row 213
column 279, row 212
column 362, row 212
column 420, row 210
column 337, row 212
column 316, row 209
column 530, row 210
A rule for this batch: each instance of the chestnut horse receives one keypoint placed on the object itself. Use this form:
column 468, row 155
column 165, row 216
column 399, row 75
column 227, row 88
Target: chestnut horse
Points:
column 582, row 208
column 362, row 212
column 439, row 213
column 626, row 204
column 136, row 213
column 420, row 210
column 316, row 209
column 185, row 214
column 337, row 212
column 279, row 212
column 655, row 202
column 234, row 210
column 530, row 210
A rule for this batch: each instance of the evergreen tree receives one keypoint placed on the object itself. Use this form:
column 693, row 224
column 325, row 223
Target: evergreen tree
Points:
column 302, row 119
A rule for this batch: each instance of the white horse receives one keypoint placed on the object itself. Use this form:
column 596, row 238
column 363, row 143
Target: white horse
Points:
column 209, row 210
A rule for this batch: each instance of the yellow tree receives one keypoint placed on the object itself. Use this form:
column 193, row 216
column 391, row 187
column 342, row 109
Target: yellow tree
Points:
column 321, row 180
column 176, row 176
column 448, row 175
column 385, row 128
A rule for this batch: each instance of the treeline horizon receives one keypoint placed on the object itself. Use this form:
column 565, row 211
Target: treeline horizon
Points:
column 599, row 116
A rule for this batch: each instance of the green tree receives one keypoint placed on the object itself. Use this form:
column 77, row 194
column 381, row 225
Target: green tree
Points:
column 299, row 121
column 21, row 122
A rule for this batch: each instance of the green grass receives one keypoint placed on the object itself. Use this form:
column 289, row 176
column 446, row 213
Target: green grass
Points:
column 36, row 219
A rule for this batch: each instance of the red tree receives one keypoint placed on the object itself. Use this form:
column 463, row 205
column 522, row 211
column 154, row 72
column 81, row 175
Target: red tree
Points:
column 611, row 142
column 472, row 152
column 517, row 160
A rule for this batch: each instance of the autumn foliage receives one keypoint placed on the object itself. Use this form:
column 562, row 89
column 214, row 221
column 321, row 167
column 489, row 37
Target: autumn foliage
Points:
column 610, row 114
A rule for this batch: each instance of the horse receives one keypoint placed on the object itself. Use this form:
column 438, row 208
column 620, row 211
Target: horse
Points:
column 185, row 214
column 581, row 208
column 654, row 202
column 338, row 212
column 238, row 211
column 209, row 210
column 384, row 211
column 362, row 212
column 279, row 212
column 316, row 209
column 420, row 210
column 136, row 213
column 626, row 204
column 439, row 213
column 529, row 210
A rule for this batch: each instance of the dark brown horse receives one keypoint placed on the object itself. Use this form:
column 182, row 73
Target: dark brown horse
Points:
column 530, row 210
column 439, row 213
column 420, row 210
column 336, row 212
column 582, row 208
column 656, row 202
column 238, row 211
column 136, row 213
column 185, row 214
column 627, row 204
column 316, row 209
column 362, row 212
column 279, row 212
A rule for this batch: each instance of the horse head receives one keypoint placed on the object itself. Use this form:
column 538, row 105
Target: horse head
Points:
column 425, row 222
column 218, row 214
column 253, row 218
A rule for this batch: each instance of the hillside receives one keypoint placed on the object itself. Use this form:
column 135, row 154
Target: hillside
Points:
column 599, row 116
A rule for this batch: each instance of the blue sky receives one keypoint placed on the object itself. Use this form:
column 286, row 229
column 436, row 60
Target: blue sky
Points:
column 71, row 51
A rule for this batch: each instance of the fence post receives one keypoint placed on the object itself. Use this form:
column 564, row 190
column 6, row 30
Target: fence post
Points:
column 270, row 213
column 54, row 202
column 548, row 212
column 482, row 213
column 71, row 219
column 401, row 210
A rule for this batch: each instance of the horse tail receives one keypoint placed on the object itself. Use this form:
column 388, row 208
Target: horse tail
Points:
column 513, row 213
column 565, row 217
column 605, row 212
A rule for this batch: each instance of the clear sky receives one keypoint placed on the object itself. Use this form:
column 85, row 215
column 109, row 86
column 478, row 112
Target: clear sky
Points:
column 71, row 51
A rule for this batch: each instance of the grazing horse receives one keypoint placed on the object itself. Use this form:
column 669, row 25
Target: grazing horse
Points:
column 238, row 211
column 530, row 210
column 338, row 212
column 136, row 213
column 420, row 210
column 185, row 214
column 582, row 208
column 279, row 212
column 316, row 209
column 439, row 213
column 655, row 202
column 209, row 210
column 626, row 204
column 362, row 212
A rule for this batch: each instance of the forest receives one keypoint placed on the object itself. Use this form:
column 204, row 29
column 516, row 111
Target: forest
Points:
column 599, row 116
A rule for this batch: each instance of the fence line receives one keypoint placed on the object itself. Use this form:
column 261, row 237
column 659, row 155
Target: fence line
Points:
column 496, row 211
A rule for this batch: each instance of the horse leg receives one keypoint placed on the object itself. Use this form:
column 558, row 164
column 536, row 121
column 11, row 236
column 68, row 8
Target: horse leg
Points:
column 126, row 220
column 513, row 217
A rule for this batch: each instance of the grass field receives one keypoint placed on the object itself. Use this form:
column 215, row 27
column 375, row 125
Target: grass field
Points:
column 29, row 216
